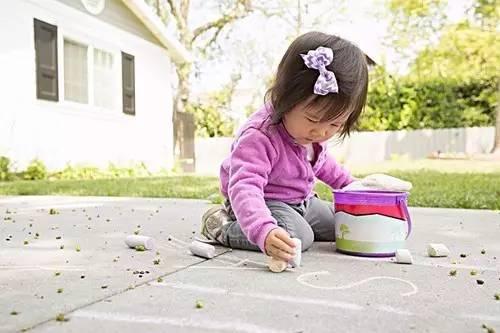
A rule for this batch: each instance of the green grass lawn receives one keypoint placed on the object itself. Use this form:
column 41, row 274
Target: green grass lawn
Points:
column 431, row 188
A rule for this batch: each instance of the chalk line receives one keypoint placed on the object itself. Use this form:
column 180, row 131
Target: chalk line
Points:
column 301, row 279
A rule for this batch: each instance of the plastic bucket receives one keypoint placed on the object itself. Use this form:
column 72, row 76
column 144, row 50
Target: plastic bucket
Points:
column 371, row 223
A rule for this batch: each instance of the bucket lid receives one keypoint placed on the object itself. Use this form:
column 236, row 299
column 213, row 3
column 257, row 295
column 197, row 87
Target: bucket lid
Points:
column 369, row 197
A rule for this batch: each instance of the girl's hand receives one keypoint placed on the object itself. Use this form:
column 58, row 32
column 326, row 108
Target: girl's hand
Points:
column 279, row 245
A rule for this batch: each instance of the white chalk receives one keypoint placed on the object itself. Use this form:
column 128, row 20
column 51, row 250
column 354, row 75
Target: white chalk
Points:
column 437, row 250
column 295, row 262
column 403, row 256
column 276, row 266
column 202, row 250
column 135, row 240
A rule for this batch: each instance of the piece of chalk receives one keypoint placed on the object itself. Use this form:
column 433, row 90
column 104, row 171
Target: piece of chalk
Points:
column 437, row 250
column 135, row 240
column 202, row 249
column 276, row 266
column 403, row 256
column 295, row 262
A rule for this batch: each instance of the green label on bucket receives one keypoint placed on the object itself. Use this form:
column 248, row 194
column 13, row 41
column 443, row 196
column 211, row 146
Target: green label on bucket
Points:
column 368, row 247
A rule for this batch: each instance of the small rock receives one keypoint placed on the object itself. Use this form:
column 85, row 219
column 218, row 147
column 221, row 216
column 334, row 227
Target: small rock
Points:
column 60, row 317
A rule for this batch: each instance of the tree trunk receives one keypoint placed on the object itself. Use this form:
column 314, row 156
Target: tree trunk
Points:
column 496, row 147
column 180, row 100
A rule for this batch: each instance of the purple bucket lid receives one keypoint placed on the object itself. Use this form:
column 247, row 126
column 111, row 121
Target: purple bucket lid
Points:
column 369, row 197
column 375, row 198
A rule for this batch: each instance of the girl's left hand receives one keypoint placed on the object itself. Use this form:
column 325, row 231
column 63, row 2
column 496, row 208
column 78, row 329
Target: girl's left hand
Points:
column 279, row 245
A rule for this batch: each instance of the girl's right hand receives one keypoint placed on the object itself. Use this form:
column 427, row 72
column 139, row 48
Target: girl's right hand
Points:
column 279, row 245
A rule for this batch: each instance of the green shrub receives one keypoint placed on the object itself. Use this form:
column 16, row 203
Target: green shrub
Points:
column 78, row 172
column 5, row 168
column 36, row 170
column 89, row 172
column 403, row 103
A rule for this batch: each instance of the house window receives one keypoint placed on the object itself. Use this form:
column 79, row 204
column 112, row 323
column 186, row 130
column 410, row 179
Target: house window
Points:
column 75, row 72
column 128, row 83
column 104, row 79
column 91, row 75
column 47, row 87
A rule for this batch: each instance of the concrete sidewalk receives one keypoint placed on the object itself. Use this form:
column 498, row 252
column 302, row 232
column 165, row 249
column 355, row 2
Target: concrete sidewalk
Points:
column 106, row 287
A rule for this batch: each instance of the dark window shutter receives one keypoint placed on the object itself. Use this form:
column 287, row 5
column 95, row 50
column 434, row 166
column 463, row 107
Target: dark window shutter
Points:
column 46, row 61
column 128, row 83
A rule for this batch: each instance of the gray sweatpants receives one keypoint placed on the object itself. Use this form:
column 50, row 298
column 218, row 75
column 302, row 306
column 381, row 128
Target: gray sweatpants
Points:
column 311, row 220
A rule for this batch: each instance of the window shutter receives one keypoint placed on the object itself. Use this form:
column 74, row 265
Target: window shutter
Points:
column 128, row 83
column 46, row 61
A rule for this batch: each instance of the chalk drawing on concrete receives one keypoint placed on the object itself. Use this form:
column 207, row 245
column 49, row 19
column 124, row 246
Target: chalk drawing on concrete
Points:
column 303, row 279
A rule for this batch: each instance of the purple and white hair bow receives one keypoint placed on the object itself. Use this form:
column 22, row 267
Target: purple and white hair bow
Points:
column 319, row 59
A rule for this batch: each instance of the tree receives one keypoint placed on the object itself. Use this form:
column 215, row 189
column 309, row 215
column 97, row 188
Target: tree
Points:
column 487, row 12
column 496, row 147
column 464, row 52
column 344, row 230
column 196, row 40
column 210, row 113
column 412, row 24
column 468, row 51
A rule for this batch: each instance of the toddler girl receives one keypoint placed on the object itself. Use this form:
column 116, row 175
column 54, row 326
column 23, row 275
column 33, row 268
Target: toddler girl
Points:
column 267, row 180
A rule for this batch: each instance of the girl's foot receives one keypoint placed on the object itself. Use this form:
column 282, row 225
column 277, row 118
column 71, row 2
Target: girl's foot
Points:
column 212, row 222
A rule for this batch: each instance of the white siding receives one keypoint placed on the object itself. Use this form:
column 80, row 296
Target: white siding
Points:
column 63, row 132
column 118, row 15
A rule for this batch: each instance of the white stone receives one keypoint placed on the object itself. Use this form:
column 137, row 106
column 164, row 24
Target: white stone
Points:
column 202, row 249
column 403, row 256
column 135, row 240
column 437, row 250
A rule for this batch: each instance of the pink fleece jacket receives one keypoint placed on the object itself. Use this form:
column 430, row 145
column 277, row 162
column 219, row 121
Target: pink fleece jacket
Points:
column 266, row 164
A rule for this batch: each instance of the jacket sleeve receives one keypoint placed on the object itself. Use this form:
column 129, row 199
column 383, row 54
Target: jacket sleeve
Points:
column 333, row 173
column 251, row 162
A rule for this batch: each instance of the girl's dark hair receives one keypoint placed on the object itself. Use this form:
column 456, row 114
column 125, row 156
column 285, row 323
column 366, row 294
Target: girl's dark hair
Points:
column 294, row 82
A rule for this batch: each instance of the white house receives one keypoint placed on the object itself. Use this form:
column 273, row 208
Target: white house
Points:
column 86, row 82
